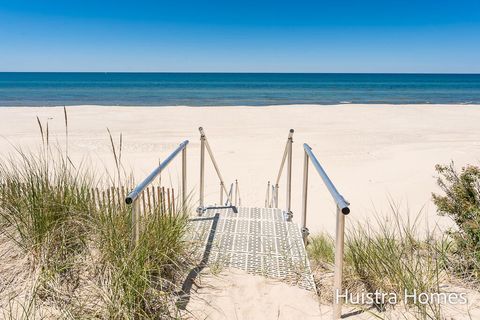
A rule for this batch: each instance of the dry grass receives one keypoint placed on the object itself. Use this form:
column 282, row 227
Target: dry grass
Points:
column 392, row 257
column 63, row 257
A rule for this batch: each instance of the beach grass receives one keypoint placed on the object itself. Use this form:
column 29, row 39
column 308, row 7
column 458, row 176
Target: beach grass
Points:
column 391, row 257
column 72, row 257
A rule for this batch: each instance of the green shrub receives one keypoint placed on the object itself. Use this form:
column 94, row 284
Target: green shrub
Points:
column 460, row 201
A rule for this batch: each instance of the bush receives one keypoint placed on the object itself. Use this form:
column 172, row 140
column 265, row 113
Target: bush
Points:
column 461, row 202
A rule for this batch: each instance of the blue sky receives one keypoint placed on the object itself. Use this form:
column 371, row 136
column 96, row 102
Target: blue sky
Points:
column 244, row 36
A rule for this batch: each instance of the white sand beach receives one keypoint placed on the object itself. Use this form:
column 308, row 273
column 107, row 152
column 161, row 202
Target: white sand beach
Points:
column 373, row 153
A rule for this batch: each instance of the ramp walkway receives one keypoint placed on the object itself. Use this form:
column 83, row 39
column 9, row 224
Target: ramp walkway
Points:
column 257, row 240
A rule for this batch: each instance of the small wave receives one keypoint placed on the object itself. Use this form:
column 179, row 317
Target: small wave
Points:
column 345, row 102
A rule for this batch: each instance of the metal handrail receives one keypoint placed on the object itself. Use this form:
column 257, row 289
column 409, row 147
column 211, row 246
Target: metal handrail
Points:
column 287, row 156
column 132, row 197
column 339, row 200
column 230, row 195
column 342, row 211
column 267, row 195
column 238, row 197
column 205, row 145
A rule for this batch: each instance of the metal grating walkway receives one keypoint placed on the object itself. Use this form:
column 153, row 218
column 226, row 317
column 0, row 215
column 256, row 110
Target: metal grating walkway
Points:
column 257, row 240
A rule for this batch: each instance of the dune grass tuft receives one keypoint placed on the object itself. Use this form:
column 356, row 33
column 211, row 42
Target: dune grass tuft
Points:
column 392, row 257
column 80, row 256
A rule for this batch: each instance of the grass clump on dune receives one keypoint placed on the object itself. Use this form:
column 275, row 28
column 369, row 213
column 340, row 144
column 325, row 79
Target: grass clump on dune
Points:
column 44, row 206
column 76, row 255
column 321, row 249
column 141, row 280
column 391, row 257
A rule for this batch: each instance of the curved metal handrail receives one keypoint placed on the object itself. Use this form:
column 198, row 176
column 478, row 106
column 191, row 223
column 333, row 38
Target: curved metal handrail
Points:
column 337, row 197
column 205, row 145
column 342, row 210
column 133, row 195
column 285, row 153
column 287, row 157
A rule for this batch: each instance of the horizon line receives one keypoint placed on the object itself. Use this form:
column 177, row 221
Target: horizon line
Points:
column 251, row 72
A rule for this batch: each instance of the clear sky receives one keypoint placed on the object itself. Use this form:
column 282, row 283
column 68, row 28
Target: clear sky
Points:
column 244, row 36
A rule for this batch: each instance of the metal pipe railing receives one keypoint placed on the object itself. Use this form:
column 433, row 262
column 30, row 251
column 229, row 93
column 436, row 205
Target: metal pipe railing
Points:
column 132, row 197
column 205, row 145
column 267, row 195
column 238, row 197
column 342, row 211
column 230, row 195
column 287, row 157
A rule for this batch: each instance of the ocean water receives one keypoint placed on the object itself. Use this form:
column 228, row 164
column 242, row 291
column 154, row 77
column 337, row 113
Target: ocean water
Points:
column 231, row 89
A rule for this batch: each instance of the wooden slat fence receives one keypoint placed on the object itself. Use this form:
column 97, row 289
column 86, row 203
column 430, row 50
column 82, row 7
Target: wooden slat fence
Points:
column 154, row 199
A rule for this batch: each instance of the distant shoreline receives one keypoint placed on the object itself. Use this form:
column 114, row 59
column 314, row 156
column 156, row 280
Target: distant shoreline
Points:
column 232, row 89
column 394, row 105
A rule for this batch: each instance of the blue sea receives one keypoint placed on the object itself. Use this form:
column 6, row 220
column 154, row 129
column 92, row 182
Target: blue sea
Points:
column 231, row 89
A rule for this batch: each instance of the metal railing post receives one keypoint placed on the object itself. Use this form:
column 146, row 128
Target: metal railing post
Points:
column 210, row 153
column 135, row 222
column 133, row 198
column 230, row 194
column 239, row 197
column 272, row 201
column 304, row 198
column 289, row 175
column 342, row 209
column 236, row 192
column 338, row 276
column 287, row 157
column 202, row 174
column 221, row 192
column 184, row 179
column 267, row 196
column 276, row 196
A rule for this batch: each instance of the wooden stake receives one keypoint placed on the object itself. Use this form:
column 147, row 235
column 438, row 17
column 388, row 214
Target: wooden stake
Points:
column 148, row 201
